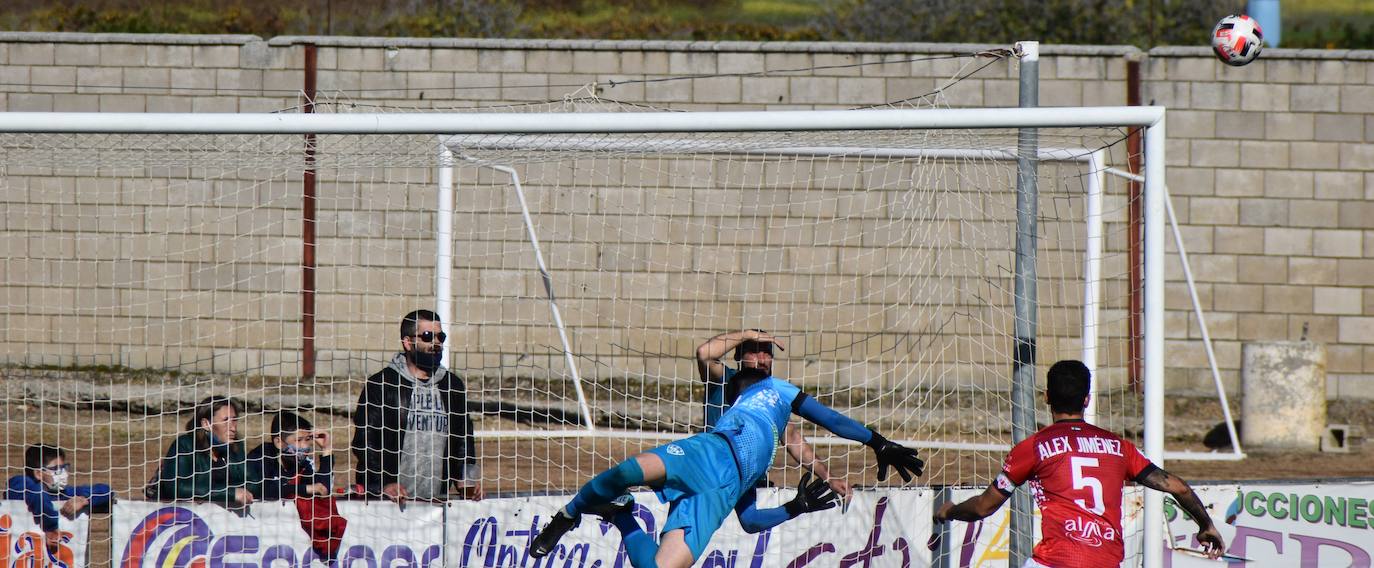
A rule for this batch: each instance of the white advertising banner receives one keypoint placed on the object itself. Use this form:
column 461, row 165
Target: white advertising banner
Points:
column 1269, row 524
column 22, row 544
column 1265, row 524
column 269, row 534
column 879, row 529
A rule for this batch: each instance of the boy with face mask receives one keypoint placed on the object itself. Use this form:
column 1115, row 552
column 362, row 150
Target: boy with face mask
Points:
column 46, row 480
column 295, row 462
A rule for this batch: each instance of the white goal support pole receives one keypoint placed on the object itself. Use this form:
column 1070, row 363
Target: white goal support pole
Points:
column 588, row 420
column 1092, row 273
column 1154, row 334
column 443, row 257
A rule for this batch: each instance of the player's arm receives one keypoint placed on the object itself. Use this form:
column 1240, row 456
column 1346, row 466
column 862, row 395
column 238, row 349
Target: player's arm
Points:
column 974, row 508
column 812, row 495
column 805, row 456
column 1156, row 478
column 889, row 454
column 714, row 349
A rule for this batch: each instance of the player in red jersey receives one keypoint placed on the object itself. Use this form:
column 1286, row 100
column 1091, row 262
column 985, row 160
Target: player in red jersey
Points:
column 1076, row 472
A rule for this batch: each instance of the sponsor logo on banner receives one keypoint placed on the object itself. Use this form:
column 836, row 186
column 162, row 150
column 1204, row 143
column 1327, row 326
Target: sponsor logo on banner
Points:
column 207, row 536
column 1282, row 525
column 22, row 543
column 878, row 531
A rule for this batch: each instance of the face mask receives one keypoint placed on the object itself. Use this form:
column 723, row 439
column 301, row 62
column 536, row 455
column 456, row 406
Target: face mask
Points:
column 296, row 450
column 427, row 360
column 220, row 446
column 59, row 481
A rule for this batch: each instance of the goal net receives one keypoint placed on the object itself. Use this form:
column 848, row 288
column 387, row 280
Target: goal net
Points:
column 577, row 272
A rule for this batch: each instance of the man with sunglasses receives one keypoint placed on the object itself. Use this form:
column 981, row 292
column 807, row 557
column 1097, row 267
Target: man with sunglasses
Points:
column 413, row 438
column 45, row 481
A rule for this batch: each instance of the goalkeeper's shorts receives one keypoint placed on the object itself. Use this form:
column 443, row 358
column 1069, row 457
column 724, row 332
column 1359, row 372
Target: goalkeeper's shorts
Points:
column 701, row 488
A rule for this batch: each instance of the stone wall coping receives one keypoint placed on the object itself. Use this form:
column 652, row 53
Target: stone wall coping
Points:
column 684, row 46
column 154, row 39
column 1269, row 53
column 547, row 44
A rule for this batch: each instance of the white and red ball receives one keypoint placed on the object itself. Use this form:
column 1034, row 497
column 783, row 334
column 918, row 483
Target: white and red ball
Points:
column 1237, row 40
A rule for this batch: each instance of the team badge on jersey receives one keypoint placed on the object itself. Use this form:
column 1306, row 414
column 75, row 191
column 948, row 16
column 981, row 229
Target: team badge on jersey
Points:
column 675, row 450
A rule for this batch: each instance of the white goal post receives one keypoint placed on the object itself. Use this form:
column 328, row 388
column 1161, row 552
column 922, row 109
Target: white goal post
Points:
column 453, row 129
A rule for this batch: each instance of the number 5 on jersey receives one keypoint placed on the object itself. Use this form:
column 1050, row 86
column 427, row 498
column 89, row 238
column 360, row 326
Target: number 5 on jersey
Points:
column 1082, row 480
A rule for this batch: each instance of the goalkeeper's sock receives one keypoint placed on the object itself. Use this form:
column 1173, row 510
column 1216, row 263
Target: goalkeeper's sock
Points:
column 606, row 486
column 638, row 544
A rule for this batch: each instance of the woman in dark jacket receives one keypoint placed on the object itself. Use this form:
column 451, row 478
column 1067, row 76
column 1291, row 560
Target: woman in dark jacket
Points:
column 207, row 462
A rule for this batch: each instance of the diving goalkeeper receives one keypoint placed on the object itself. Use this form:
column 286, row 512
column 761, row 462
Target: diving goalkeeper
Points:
column 704, row 476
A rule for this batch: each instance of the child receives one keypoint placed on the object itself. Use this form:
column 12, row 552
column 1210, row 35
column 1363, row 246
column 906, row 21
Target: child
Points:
column 44, row 481
column 296, row 464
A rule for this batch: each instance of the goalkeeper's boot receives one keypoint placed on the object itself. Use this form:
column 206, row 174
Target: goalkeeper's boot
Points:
column 622, row 504
column 548, row 538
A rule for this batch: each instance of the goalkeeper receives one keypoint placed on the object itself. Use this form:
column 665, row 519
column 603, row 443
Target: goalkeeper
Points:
column 694, row 476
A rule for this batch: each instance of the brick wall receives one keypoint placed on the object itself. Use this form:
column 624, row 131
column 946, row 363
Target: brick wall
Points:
column 1270, row 165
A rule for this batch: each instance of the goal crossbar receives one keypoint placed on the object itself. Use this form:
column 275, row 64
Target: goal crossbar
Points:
column 508, row 123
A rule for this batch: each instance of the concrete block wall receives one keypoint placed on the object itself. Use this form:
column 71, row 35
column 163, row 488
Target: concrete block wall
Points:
column 1271, row 168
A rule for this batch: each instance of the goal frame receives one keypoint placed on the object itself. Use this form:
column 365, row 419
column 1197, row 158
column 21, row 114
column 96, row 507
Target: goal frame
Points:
column 1151, row 119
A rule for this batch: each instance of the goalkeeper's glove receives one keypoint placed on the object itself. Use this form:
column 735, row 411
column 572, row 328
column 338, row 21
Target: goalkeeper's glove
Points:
column 811, row 496
column 899, row 457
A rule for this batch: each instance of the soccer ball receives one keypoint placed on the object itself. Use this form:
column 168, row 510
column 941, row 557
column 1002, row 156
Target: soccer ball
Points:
column 1237, row 40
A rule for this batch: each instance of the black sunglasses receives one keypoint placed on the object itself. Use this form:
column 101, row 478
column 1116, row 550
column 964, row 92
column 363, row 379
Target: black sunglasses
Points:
column 428, row 336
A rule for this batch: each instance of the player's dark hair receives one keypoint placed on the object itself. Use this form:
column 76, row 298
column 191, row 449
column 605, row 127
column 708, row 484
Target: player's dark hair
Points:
column 409, row 322
column 751, row 346
column 37, row 456
column 286, row 422
column 1067, row 385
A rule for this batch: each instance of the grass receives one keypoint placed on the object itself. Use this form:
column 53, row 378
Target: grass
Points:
column 1327, row 24
column 1345, row 24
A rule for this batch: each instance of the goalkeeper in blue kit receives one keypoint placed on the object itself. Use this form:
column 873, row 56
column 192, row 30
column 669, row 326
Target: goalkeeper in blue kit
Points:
column 705, row 476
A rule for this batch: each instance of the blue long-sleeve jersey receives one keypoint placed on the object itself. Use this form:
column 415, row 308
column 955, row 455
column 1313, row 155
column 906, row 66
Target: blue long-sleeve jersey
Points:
column 40, row 501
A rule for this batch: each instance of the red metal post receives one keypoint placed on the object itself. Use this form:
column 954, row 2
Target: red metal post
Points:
column 308, row 229
column 1134, row 228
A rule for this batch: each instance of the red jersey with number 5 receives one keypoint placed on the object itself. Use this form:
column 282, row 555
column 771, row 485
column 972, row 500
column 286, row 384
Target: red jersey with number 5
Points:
column 1076, row 472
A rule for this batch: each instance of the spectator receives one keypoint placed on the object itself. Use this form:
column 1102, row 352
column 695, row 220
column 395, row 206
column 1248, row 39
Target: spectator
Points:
column 412, row 435
column 296, row 461
column 207, row 462
column 296, row 464
column 46, row 473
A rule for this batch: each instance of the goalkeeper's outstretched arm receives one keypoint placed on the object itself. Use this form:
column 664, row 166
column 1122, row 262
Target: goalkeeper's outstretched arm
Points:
column 812, row 495
column 890, row 454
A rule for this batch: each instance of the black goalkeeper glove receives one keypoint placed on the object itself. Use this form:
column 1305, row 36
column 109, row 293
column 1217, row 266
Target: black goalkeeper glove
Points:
column 811, row 496
column 899, row 457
